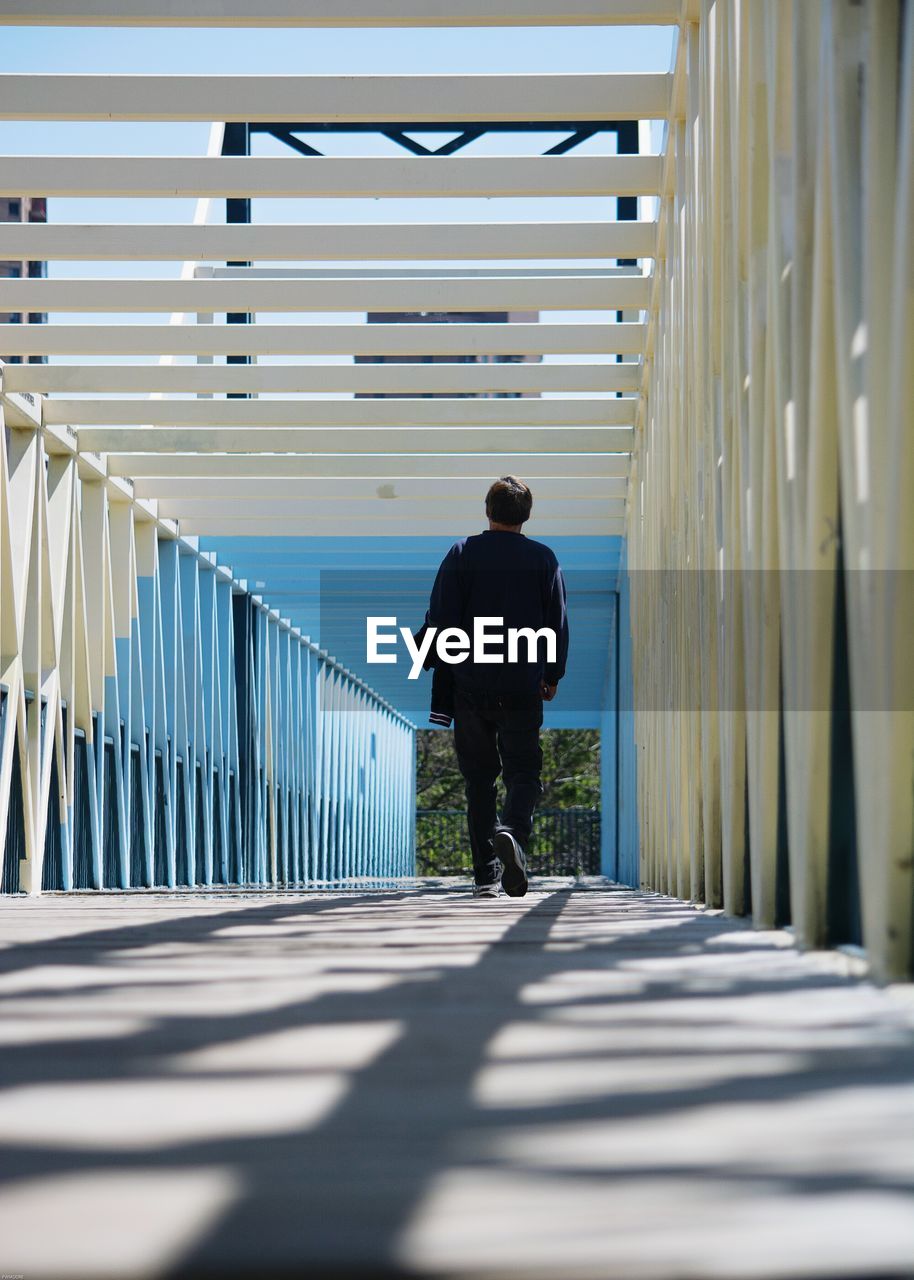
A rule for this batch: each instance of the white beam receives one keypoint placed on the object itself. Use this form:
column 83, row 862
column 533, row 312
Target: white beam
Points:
column 359, row 489
column 454, row 412
column 318, row 339
column 336, row 99
column 386, row 379
column 338, row 13
column 364, row 510
column 445, row 525
column 548, row 293
column 292, row 469
column 500, row 272
column 510, row 440
column 339, row 242
column 20, row 409
column 331, row 176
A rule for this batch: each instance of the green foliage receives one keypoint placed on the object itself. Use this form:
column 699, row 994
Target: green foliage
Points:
column 571, row 769
column 571, row 781
column 565, row 842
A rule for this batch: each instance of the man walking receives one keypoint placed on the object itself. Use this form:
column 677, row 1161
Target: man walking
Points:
column 501, row 576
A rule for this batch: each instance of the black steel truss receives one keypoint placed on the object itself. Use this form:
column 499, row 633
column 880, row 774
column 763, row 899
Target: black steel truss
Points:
column 237, row 142
column 577, row 131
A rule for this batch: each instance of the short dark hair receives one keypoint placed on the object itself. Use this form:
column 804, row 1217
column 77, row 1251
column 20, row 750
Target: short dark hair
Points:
column 509, row 501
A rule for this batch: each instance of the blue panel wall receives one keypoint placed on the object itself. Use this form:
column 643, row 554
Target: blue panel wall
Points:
column 609, row 755
column 618, row 758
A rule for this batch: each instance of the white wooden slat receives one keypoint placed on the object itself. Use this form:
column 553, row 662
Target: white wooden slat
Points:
column 330, row 176
column 897, row 925
column 560, row 293
column 399, row 488
column 500, row 272
column 339, row 13
column 364, row 511
column 483, row 378
column 98, row 242
column 447, row 526
column 454, row 412
column 331, row 469
column 317, row 339
column 501, row 440
column 336, row 99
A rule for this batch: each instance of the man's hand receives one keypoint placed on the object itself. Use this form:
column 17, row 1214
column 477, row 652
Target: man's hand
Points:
column 548, row 691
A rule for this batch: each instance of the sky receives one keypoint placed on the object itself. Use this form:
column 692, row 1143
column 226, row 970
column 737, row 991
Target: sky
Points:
column 329, row 51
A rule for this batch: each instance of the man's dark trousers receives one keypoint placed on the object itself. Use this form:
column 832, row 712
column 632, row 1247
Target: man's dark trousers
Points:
column 498, row 733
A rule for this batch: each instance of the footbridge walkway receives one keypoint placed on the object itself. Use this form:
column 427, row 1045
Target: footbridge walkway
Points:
column 590, row 1082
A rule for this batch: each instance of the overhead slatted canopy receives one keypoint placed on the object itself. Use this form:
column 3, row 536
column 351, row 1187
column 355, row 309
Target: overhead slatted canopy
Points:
column 239, row 389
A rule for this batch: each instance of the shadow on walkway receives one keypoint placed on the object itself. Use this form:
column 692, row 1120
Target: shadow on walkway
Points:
column 587, row 1083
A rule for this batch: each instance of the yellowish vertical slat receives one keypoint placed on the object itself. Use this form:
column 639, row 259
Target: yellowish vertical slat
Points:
column 890, row 938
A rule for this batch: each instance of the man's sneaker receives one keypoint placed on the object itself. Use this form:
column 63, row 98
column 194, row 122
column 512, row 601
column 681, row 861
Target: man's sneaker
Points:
column 486, row 890
column 511, row 855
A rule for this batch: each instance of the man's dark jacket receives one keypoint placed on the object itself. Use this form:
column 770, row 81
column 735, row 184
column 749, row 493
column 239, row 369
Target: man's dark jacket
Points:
column 504, row 575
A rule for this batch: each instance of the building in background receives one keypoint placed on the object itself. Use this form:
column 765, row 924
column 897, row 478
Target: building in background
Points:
column 23, row 209
column 450, row 317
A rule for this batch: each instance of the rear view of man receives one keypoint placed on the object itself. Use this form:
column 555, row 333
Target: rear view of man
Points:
column 498, row 705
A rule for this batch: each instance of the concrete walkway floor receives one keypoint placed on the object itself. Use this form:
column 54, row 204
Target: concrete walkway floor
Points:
column 586, row 1083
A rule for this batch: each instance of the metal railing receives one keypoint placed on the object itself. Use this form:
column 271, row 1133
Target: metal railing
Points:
column 565, row 842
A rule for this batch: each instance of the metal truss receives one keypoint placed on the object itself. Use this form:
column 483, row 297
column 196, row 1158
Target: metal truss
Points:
column 159, row 726
column 403, row 134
